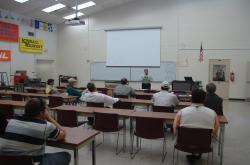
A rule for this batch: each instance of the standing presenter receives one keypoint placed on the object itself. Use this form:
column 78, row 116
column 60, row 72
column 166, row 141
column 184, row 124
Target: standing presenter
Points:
column 146, row 80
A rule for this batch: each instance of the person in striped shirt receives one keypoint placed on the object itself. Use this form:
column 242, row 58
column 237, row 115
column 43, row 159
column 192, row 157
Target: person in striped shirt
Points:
column 27, row 135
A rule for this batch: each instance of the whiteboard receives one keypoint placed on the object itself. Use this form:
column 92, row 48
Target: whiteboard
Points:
column 99, row 71
column 133, row 47
column 166, row 72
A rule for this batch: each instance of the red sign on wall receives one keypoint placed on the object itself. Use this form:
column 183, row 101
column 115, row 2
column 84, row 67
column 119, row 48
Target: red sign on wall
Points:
column 5, row 55
column 9, row 32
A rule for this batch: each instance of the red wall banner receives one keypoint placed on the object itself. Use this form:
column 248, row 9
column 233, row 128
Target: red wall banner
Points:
column 5, row 55
column 9, row 32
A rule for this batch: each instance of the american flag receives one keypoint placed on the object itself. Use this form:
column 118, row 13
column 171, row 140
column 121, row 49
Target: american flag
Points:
column 201, row 56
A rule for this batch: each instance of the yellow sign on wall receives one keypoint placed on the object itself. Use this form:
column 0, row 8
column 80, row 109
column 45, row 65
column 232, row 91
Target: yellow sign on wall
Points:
column 30, row 45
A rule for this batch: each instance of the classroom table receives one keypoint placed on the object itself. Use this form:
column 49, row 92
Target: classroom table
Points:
column 181, row 97
column 13, row 103
column 169, row 118
column 75, row 139
column 148, row 103
column 89, row 112
column 39, row 90
column 24, row 94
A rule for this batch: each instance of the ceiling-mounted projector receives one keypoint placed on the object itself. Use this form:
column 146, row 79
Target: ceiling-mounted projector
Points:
column 74, row 22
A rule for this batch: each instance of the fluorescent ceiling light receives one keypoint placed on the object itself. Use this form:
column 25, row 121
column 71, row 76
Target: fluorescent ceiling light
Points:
column 53, row 8
column 84, row 5
column 73, row 15
column 21, row 1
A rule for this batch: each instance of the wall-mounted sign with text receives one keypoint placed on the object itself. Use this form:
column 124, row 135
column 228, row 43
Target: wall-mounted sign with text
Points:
column 9, row 32
column 31, row 45
column 5, row 55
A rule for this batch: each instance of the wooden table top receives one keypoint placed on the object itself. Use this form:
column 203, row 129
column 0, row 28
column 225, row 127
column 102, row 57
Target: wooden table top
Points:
column 158, row 115
column 14, row 103
column 35, row 94
column 137, row 101
column 149, row 102
column 91, row 110
column 42, row 89
column 120, row 112
column 143, row 93
column 75, row 136
column 167, row 116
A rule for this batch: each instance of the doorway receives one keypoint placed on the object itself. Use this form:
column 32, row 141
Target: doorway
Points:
column 219, row 75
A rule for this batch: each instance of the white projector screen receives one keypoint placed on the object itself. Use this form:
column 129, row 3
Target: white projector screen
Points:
column 136, row 47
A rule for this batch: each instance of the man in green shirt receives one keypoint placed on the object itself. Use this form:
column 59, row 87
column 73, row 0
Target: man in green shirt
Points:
column 146, row 80
column 71, row 90
column 124, row 89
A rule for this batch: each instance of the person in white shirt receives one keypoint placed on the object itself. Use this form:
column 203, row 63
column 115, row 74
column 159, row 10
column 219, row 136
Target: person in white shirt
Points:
column 197, row 116
column 164, row 97
column 91, row 95
column 50, row 89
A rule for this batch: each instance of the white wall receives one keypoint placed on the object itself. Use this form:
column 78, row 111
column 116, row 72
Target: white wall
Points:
column 222, row 26
column 28, row 61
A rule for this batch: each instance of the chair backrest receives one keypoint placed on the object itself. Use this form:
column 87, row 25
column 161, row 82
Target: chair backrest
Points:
column 16, row 160
column 168, row 109
column 102, row 90
column 67, row 118
column 106, row 122
column 144, row 97
column 82, row 88
column 17, row 97
column 61, row 87
column 7, row 111
column 121, row 96
column 93, row 104
column 55, row 101
column 194, row 140
column 149, row 128
column 123, row 105
column 150, row 91
column 31, row 90
column 3, row 124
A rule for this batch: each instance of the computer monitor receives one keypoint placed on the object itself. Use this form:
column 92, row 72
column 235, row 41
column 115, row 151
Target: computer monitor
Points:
column 181, row 85
column 188, row 78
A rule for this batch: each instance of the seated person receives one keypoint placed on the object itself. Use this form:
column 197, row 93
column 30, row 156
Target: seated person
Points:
column 50, row 87
column 3, row 124
column 71, row 90
column 164, row 97
column 124, row 89
column 27, row 135
column 212, row 100
column 197, row 116
column 91, row 95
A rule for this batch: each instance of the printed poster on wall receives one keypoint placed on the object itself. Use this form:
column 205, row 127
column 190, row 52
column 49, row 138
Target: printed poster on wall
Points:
column 9, row 32
column 30, row 45
column 5, row 55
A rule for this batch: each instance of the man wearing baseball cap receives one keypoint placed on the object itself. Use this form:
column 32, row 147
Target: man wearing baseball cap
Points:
column 71, row 90
column 164, row 97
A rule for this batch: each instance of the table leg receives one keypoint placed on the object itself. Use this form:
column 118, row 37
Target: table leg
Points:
column 219, row 143
column 222, row 143
column 131, row 133
column 124, row 134
column 93, row 152
column 137, row 142
column 76, row 156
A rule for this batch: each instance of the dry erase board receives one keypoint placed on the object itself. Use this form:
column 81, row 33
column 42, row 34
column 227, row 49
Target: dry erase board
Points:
column 166, row 72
